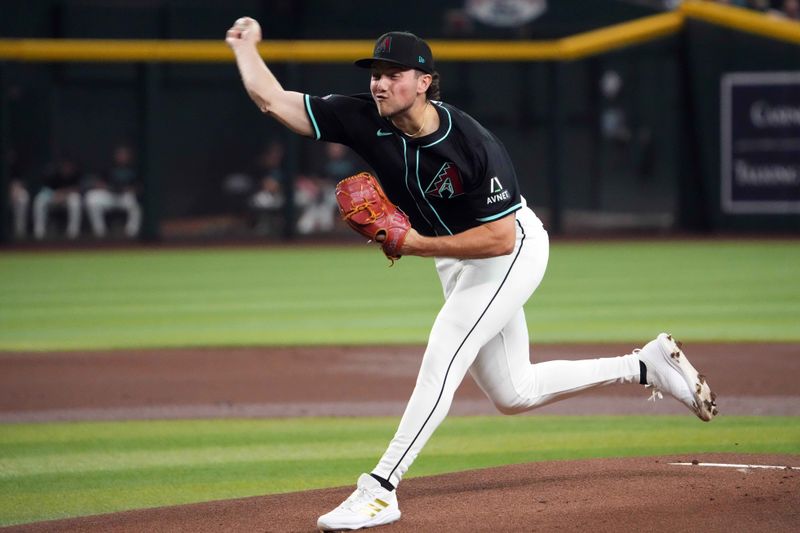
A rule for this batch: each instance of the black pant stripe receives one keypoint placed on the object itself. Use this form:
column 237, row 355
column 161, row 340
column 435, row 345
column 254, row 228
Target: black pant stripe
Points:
column 452, row 360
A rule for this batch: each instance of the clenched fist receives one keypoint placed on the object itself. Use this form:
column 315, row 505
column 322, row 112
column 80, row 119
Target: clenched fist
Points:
column 245, row 30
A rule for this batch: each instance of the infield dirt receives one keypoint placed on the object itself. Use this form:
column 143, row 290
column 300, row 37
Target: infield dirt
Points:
column 634, row 494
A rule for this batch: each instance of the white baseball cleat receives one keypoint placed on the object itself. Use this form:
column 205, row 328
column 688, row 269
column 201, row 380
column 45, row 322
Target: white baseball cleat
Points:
column 370, row 505
column 668, row 370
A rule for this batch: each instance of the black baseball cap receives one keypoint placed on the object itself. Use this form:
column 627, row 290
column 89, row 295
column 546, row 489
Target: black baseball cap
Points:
column 401, row 48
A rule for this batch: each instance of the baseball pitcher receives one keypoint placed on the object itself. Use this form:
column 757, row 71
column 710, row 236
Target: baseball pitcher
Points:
column 446, row 188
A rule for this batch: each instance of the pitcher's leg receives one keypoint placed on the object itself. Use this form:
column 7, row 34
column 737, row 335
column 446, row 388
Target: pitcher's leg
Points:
column 443, row 368
column 492, row 370
column 483, row 296
column 504, row 372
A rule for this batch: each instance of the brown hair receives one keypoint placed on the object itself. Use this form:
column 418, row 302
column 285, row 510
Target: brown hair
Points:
column 433, row 89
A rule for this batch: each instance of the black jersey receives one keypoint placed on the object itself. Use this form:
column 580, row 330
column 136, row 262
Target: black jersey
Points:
column 456, row 178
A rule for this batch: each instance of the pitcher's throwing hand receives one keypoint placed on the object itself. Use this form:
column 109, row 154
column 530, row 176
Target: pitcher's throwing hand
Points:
column 244, row 30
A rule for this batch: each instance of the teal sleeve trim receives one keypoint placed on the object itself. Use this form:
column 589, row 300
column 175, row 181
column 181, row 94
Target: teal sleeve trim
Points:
column 500, row 215
column 317, row 136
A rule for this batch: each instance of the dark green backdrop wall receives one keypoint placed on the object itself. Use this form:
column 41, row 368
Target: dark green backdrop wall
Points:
column 661, row 177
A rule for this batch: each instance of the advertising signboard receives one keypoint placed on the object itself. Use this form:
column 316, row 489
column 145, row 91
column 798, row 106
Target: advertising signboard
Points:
column 760, row 144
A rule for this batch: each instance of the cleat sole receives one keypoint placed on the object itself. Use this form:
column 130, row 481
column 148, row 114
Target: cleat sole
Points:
column 705, row 404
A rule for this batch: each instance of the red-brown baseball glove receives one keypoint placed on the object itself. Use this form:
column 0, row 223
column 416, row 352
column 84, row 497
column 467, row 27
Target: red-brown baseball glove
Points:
column 367, row 210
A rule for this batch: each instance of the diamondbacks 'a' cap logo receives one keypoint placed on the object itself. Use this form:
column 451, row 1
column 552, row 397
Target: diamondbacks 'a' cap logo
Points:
column 447, row 183
column 383, row 47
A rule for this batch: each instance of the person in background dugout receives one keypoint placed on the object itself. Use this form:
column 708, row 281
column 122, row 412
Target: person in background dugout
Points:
column 18, row 196
column 267, row 201
column 60, row 188
column 118, row 191
column 269, row 173
column 20, row 199
column 317, row 195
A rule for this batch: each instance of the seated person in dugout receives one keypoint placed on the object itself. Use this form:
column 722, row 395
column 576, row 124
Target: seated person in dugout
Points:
column 116, row 191
column 60, row 188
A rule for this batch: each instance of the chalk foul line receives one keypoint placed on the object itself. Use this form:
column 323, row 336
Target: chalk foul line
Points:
column 725, row 465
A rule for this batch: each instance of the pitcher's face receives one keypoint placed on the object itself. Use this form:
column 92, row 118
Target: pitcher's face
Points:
column 394, row 88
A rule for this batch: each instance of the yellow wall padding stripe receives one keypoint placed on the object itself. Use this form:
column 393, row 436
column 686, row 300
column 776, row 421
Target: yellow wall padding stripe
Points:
column 743, row 20
column 619, row 36
column 112, row 50
column 492, row 50
column 576, row 47
column 570, row 48
column 589, row 43
column 176, row 51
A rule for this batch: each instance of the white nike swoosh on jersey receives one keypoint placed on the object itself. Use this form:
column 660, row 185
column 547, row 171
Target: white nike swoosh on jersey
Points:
column 382, row 133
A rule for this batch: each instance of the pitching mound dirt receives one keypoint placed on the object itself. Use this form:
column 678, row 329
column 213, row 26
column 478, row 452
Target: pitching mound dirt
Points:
column 638, row 494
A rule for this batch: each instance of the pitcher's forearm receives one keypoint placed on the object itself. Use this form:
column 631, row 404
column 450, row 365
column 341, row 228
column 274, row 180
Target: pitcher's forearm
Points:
column 488, row 240
column 287, row 107
column 258, row 80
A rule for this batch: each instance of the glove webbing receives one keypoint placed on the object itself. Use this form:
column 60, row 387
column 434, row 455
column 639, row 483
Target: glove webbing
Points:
column 373, row 216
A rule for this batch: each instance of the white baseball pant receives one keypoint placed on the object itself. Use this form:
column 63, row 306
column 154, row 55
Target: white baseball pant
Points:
column 98, row 201
column 482, row 328
column 41, row 207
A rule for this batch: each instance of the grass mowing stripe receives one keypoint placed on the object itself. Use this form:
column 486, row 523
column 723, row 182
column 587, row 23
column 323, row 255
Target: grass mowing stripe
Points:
column 190, row 307
column 70, row 469
column 620, row 291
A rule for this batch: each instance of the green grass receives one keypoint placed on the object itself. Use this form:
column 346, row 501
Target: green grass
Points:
column 627, row 292
column 719, row 291
column 57, row 470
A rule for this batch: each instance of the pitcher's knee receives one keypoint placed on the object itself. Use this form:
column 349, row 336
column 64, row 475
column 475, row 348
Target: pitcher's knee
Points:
column 510, row 407
column 515, row 403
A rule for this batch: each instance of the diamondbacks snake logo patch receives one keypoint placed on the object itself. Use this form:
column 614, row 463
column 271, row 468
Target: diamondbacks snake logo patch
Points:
column 447, row 183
